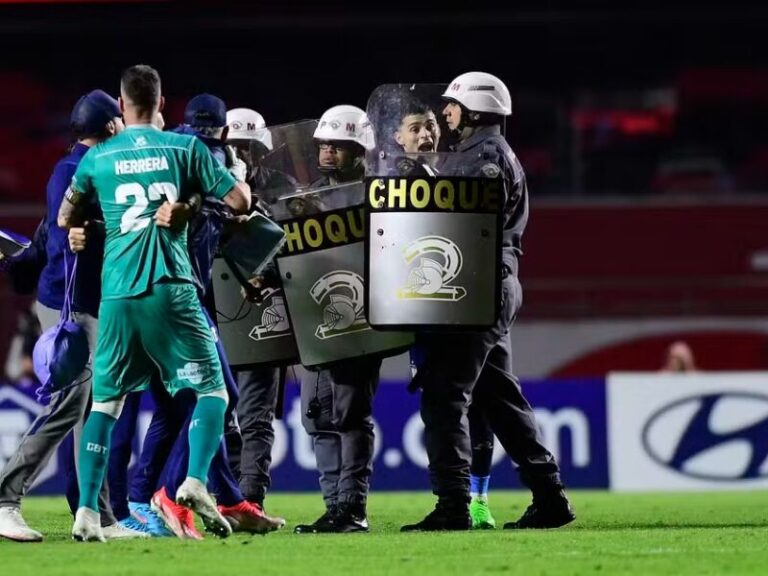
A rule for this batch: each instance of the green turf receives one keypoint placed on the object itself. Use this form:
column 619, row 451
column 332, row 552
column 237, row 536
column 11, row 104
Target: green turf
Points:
column 705, row 533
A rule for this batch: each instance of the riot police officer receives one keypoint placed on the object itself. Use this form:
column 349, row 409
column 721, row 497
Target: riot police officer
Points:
column 336, row 400
column 458, row 367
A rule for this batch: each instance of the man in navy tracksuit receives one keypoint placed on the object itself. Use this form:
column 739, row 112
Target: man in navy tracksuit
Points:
column 95, row 117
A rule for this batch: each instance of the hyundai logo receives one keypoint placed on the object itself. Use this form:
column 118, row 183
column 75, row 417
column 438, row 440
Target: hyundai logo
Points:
column 721, row 437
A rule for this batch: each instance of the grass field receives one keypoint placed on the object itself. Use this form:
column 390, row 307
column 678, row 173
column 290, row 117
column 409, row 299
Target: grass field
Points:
column 703, row 533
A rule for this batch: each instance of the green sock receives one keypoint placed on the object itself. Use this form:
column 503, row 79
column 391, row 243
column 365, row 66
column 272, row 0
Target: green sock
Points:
column 94, row 456
column 205, row 432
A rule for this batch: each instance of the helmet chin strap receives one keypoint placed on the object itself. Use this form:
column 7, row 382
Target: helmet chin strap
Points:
column 466, row 121
column 355, row 171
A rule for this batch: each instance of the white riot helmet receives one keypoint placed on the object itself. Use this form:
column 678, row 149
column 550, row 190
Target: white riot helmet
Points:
column 480, row 92
column 247, row 124
column 345, row 122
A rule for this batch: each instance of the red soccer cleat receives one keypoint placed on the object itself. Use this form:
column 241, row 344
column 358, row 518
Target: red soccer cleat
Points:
column 249, row 517
column 179, row 519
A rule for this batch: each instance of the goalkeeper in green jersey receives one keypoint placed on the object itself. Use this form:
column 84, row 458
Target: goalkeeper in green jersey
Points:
column 150, row 318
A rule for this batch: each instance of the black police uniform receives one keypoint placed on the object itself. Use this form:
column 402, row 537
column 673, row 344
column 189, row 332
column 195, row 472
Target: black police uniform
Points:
column 460, row 368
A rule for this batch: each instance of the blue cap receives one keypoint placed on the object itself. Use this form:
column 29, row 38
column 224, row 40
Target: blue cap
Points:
column 93, row 111
column 206, row 111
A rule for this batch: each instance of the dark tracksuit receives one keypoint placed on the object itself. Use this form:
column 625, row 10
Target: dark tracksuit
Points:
column 476, row 367
column 67, row 408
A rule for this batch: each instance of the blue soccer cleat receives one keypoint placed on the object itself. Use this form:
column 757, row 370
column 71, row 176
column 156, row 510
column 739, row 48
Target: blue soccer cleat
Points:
column 144, row 515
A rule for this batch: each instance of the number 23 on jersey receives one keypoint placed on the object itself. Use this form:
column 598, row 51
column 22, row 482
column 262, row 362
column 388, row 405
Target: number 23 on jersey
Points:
column 134, row 218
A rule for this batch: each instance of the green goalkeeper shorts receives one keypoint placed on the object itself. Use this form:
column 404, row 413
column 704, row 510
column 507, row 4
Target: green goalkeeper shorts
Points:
column 163, row 331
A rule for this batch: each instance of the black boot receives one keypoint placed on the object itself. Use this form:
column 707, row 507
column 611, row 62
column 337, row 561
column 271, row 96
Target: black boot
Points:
column 550, row 509
column 447, row 515
column 351, row 517
column 326, row 523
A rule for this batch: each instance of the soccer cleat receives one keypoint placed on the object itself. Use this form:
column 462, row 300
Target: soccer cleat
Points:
column 350, row 517
column 179, row 520
column 482, row 519
column 144, row 514
column 125, row 530
column 323, row 524
column 249, row 517
column 548, row 510
column 87, row 527
column 194, row 495
column 445, row 516
column 13, row 526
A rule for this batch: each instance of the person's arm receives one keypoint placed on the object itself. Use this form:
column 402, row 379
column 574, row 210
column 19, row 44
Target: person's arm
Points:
column 71, row 210
column 176, row 215
column 239, row 171
column 239, row 197
column 76, row 198
column 215, row 180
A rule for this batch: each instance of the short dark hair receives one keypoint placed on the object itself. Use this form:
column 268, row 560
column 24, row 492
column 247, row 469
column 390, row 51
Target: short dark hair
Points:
column 412, row 106
column 141, row 85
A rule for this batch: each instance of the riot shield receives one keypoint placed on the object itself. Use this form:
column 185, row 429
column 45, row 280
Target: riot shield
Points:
column 291, row 164
column 433, row 241
column 252, row 333
column 322, row 262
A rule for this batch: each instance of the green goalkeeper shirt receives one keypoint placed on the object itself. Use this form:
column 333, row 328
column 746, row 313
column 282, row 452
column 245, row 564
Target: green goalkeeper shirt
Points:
column 131, row 175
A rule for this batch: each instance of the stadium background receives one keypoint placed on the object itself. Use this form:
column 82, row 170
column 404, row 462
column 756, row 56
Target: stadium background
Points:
column 642, row 129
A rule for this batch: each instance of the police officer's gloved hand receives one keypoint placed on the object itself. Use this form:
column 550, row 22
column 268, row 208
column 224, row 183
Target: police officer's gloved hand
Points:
column 237, row 167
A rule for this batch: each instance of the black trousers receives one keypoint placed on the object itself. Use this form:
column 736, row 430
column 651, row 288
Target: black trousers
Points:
column 461, row 367
column 255, row 413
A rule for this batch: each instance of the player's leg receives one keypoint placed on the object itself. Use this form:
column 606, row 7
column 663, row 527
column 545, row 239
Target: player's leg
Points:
column 481, row 436
column 94, row 455
column 242, row 515
column 179, row 519
column 120, row 456
column 182, row 346
column 158, row 441
column 120, row 366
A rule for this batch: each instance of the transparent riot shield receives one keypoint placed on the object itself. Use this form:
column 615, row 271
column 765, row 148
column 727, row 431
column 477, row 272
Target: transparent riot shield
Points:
column 259, row 333
column 433, row 222
column 322, row 262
